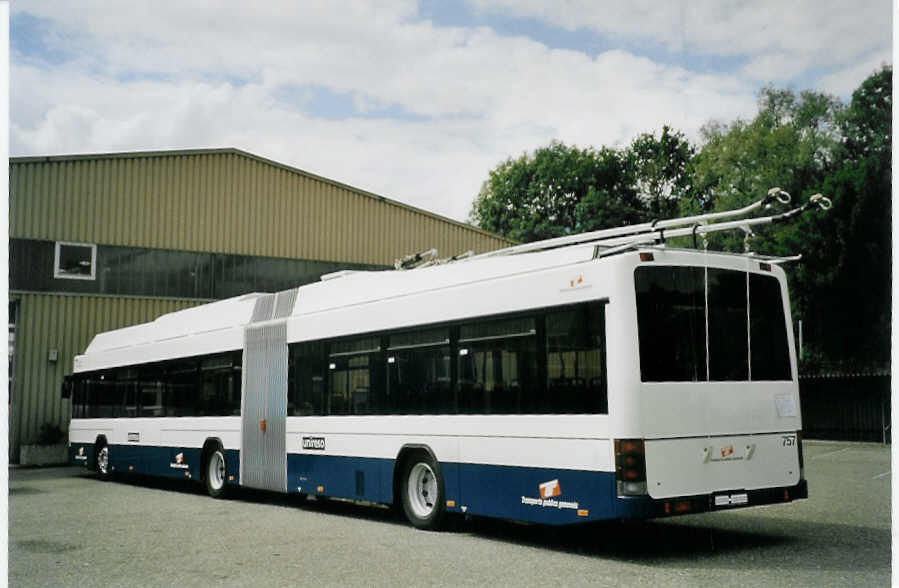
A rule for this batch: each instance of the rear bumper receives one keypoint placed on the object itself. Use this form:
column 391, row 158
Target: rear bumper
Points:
column 641, row 507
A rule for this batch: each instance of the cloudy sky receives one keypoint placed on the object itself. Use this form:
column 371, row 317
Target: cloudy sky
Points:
column 416, row 101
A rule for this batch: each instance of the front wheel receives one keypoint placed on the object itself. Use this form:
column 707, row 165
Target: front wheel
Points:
column 215, row 474
column 102, row 462
column 422, row 492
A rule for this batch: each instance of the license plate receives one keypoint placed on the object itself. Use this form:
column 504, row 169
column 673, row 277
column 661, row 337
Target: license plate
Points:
column 731, row 499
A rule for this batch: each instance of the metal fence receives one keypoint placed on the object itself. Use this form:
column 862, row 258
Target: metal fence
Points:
column 846, row 407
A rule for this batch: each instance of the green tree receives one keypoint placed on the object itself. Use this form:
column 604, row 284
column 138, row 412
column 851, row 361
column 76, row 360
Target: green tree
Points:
column 563, row 189
column 558, row 190
column 794, row 142
column 850, row 317
column 791, row 143
column 805, row 144
column 662, row 170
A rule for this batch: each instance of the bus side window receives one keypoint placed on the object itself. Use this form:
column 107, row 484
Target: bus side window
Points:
column 418, row 373
column 107, row 397
column 151, row 391
column 306, row 379
column 65, row 391
column 215, row 395
column 181, row 382
column 89, row 393
column 497, row 365
column 575, row 361
column 78, row 396
column 356, row 383
column 130, row 393
column 236, row 382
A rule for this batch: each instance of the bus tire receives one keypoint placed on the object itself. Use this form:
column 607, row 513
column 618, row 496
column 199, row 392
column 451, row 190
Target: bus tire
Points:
column 101, row 461
column 422, row 491
column 215, row 473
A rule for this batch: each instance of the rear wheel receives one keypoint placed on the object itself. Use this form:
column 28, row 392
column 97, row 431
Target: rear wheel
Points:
column 215, row 474
column 101, row 461
column 422, row 492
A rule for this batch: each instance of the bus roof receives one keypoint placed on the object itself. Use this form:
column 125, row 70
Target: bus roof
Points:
column 357, row 288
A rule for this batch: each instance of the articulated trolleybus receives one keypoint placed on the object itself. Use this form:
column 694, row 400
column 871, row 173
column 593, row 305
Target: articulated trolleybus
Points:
column 595, row 376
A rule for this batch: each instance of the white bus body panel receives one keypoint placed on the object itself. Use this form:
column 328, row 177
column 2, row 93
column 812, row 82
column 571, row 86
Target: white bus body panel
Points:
column 576, row 442
column 441, row 294
column 681, row 420
column 686, row 422
column 158, row 431
column 696, row 409
column 688, row 467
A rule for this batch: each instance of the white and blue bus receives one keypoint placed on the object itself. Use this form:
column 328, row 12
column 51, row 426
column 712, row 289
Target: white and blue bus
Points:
column 556, row 386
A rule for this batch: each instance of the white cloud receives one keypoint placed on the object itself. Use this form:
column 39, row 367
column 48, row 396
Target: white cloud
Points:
column 436, row 164
column 844, row 81
column 779, row 39
column 216, row 78
column 774, row 67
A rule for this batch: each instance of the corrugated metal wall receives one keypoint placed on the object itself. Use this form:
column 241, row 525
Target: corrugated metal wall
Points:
column 65, row 323
column 221, row 201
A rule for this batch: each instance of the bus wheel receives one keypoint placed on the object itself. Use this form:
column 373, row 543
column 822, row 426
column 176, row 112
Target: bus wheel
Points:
column 422, row 492
column 102, row 462
column 215, row 474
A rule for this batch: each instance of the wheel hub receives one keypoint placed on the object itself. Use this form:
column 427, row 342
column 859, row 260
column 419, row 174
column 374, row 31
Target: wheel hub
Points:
column 422, row 489
column 216, row 470
column 103, row 460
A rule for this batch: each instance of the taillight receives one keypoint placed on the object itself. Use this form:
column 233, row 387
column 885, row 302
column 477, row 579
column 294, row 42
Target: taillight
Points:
column 630, row 467
column 681, row 507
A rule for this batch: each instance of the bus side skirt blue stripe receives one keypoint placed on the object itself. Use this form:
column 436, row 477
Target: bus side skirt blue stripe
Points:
column 570, row 496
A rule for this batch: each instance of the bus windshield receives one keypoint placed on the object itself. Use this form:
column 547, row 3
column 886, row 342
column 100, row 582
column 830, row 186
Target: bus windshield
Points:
column 709, row 324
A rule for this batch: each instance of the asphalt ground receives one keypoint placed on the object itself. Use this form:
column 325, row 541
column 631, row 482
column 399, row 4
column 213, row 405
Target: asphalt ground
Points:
column 67, row 528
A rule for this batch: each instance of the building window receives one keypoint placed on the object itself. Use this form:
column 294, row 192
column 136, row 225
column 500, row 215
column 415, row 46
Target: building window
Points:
column 77, row 261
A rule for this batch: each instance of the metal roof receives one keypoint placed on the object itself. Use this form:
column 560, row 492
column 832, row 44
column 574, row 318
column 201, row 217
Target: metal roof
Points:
column 242, row 153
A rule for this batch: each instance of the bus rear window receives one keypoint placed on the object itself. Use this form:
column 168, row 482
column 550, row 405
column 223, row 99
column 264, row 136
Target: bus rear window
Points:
column 770, row 359
column 697, row 324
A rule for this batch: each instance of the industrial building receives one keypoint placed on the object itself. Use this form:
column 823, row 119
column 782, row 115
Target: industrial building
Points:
column 99, row 242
